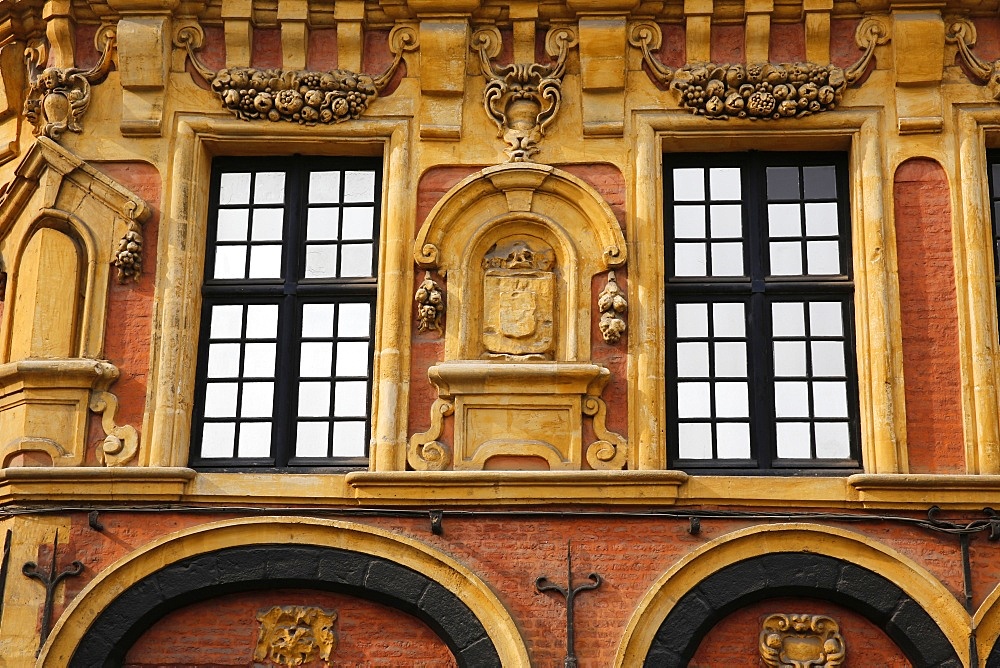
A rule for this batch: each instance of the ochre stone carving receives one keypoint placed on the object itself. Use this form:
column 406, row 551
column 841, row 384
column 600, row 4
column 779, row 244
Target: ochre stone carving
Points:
column 294, row 635
column 426, row 453
column 758, row 91
column 963, row 33
column 519, row 299
column 58, row 97
column 121, row 442
column 300, row 96
column 522, row 98
column 612, row 305
column 128, row 259
column 430, row 304
column 801, row 641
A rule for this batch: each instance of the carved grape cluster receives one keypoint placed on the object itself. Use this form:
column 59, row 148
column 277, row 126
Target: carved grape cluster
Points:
column 298, row 96
column 430, row 305
column 128, row 259
column 759, row 91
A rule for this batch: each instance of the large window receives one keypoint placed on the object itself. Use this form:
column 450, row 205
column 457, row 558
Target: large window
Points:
column 761, row 370
column 285, row 355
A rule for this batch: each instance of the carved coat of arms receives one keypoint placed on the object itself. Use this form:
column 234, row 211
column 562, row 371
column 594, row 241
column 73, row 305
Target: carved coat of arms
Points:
column 519, row 290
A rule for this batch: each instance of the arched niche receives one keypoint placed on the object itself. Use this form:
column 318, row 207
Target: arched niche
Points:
column 62, row 222
column 519, row 245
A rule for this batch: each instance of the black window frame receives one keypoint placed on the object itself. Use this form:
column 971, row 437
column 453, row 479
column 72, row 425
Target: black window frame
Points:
column 993, row 179
column 290, row 293
column 758, row 291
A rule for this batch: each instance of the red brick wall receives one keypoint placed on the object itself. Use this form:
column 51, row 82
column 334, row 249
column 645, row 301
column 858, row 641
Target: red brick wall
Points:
column 788, row 43
column 223, row 632
column 929, row 318
column 733, row 642
column 727, row 44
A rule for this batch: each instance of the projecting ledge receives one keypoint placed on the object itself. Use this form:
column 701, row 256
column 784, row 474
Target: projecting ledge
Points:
column 925, row 490
column 93, row 484
column 517, row 487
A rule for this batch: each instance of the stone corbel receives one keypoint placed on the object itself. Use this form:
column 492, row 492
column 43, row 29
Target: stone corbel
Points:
column 276, row 95
column 58, row 97
column 121, row 442
column 758, row 91
column 426, row 453
column 522, row 98
column 962, row 32
column 610, row 451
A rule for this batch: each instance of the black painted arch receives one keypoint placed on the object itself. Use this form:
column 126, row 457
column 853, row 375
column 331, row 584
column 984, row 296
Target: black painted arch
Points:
column 268, row 566
column 800, row 575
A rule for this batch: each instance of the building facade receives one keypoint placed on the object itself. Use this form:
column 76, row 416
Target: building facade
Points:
column 474, row 333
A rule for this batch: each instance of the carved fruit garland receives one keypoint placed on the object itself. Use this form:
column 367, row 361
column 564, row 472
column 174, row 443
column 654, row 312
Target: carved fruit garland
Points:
column 757, row 91
column 430, row 304
column 522, row 98
column 298, row 96
column 58, row 97
column 612, row 305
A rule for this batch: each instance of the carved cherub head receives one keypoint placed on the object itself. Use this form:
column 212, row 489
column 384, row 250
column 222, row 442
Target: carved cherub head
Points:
column 50, row 79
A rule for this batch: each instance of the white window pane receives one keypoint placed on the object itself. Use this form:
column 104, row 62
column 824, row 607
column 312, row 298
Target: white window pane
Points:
column 830, row 399
column 731, row 400
column 794, row 440
column 727, row 259
column 324, row 187
column 321, row 261
column 234, row 189
column 223, row 360
column 833, row 440
column 826, row 319
column 352, row 358
column 359, row 223
column 689, row 221
column 694, row 441
column 220, row 399
column 693, row 400
column 729, row 319
column 230, row 261
column 321, row 224
column 311, row 439
column 258, row 400
column 354, row 320
column 267, row 224
column 828, row 358
column 317, row 360
column 357, row 260
column 791, row 399
column 821, row 219
column 734, row 440
column 227, row 321
column 218, row 439
column 258, row 361
column 724, row 183
column 350, row 399
column 359, row 186
column 314, row 399
column 731, row 360
column 262, row 321
column 689, row 260
column 269, row 188
column 349, row 439
column 692, row 360
column 689, row 184
column 783, row 220
column 727, row 221
column 255, row 439
column 823, row 257
column 786, row 258
column 265, row 262
column 788, row 319
column 790, row 358
column 232, row 225
column 317, row 320
column 692, row 320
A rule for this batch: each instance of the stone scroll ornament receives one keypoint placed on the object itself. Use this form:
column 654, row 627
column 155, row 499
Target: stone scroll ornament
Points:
column 963, row 33
column 58, row 97
column 801, row 641
column 297, row 96
column 522, row 98
column 757, row 91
